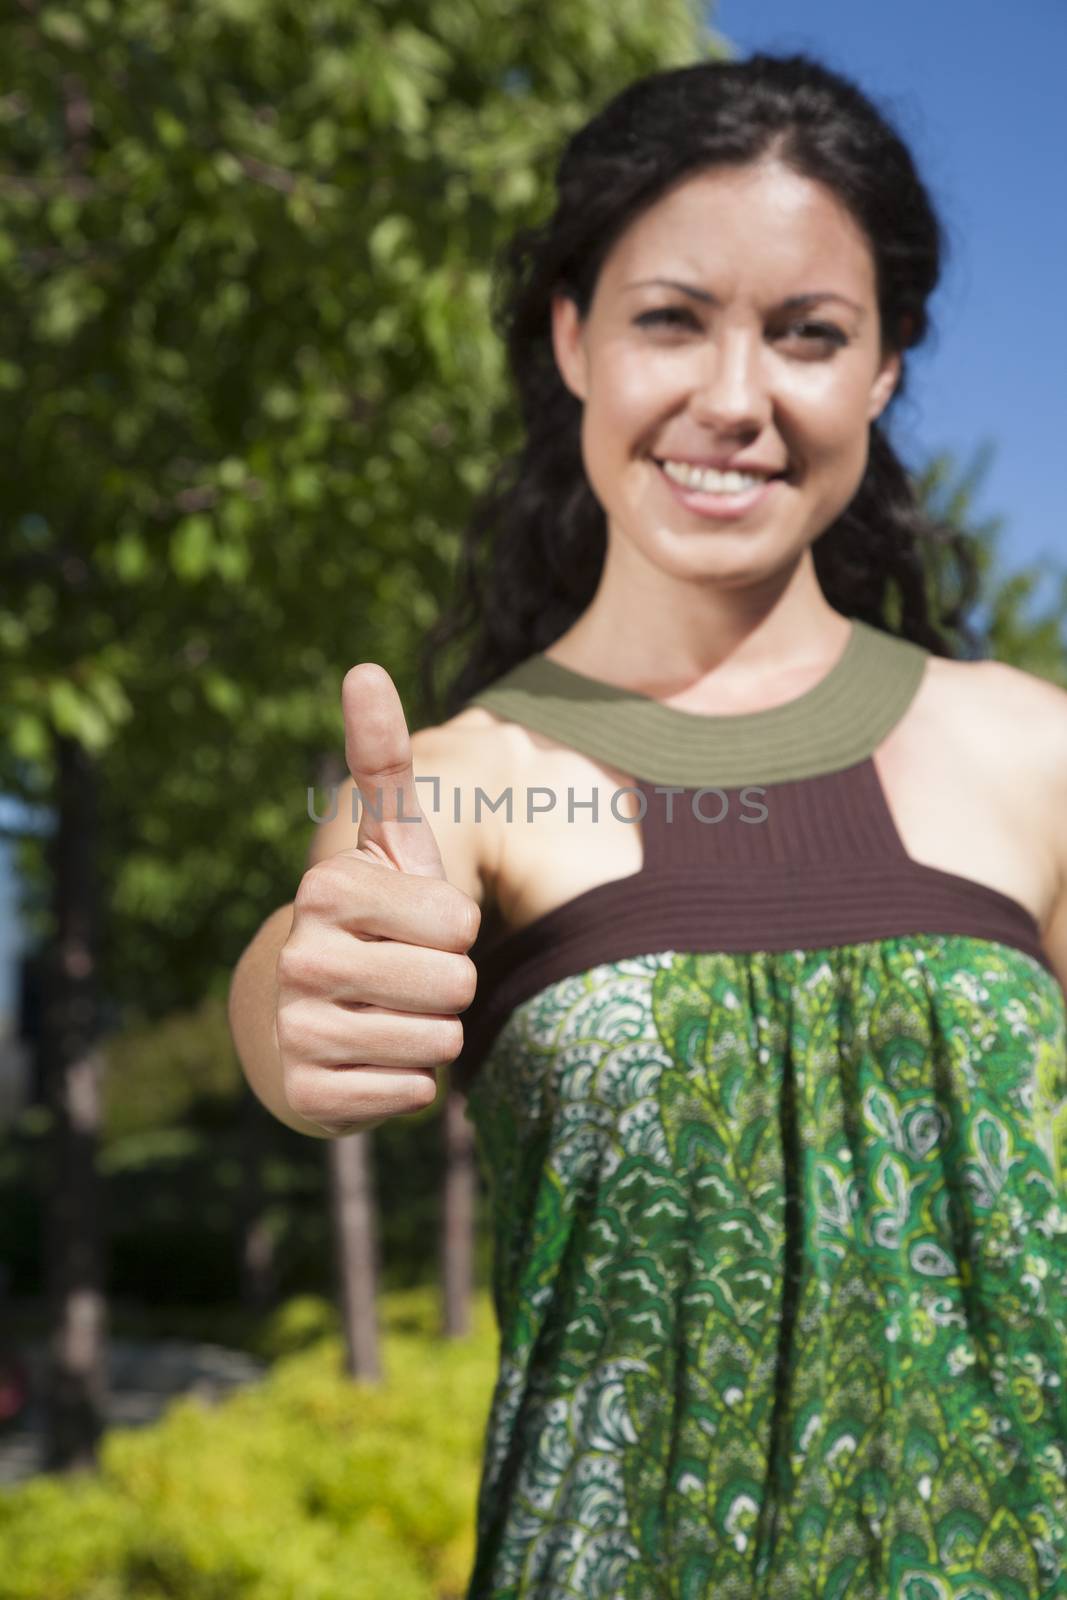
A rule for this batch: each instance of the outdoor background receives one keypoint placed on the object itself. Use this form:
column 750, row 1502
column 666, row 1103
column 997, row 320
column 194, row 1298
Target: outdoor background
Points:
column 983, row 107
column 249, row 390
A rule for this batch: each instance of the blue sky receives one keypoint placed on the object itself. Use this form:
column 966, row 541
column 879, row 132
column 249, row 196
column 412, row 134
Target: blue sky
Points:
column 978, row 93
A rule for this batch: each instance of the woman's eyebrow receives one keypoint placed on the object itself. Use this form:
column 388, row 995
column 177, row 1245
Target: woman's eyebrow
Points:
column 793, row 301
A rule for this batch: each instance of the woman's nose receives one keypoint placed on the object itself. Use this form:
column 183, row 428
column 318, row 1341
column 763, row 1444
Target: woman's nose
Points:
column 730, row 389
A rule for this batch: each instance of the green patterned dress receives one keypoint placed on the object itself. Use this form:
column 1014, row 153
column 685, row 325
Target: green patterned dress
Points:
column 775, row 1134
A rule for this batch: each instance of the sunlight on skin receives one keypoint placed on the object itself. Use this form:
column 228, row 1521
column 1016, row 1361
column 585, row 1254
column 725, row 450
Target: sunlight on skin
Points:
column 664, row 373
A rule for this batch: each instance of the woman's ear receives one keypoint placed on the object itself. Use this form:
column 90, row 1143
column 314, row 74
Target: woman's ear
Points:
column 884, row 384
column 568, row 343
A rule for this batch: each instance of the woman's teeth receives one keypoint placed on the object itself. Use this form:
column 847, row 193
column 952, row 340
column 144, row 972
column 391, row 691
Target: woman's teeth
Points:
column 710, row 480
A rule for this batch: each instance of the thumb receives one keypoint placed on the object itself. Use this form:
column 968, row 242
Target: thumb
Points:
column 392, row 824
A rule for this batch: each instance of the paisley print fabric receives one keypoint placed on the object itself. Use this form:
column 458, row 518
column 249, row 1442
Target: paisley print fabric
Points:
column 780, row 1270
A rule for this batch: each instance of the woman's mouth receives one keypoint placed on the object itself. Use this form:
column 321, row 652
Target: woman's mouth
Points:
column 721, row 505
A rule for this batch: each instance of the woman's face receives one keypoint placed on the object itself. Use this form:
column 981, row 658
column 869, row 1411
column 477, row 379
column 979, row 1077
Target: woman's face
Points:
column 715, row 367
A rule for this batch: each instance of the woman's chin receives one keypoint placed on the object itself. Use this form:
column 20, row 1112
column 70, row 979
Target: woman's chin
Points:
column 726, row 552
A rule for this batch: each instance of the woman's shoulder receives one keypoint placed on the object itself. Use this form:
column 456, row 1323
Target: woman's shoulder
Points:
column 472, row 719
column 1005, row 701
column 474, row 736
column 1014, row 724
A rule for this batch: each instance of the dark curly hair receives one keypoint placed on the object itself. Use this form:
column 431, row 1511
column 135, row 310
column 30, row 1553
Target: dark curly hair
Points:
column 533, row 548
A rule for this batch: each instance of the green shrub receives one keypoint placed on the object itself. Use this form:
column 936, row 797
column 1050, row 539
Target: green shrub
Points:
column 303, row 1321
column 308, row 1486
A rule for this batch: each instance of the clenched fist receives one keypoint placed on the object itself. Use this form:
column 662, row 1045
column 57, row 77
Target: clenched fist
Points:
column 374, row 972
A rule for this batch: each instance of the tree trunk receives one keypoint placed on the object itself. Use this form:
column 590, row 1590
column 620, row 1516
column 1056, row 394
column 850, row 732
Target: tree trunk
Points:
column 356, row 1238
column 457, row 1217
column 76, row 1385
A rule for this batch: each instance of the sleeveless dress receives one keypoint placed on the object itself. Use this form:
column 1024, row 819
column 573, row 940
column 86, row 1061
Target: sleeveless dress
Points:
column 775, row 1135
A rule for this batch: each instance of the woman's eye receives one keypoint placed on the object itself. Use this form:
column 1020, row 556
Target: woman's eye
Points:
column 666, row 314
column 824, row 332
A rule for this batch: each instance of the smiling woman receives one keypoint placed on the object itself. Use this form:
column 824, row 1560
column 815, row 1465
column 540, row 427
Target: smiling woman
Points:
column 773, row 1117
column 791, row 394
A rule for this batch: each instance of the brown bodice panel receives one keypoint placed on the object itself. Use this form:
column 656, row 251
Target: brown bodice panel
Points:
column 808, row 863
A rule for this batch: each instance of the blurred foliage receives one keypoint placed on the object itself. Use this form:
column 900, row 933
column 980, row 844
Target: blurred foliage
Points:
column 302, row 1321
column 180, row 1163
column 158, row 1075
column 183, row 1139
column 248, row 375
column 1020, row 624
column 306, row 1484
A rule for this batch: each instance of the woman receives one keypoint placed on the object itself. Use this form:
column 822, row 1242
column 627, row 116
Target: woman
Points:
column 770, row 1089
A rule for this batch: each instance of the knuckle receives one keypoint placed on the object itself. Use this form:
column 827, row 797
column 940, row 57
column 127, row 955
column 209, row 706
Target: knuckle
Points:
column 292, row 1035
column 463, row 915
column 472, row 922
column 326, row 884
column 446, row 1041
column 387, row 772
column 423, row 1093
column 302, row 1025
column 298, row 966
column 466, row 984
column 303, row 1094
column 310, row 891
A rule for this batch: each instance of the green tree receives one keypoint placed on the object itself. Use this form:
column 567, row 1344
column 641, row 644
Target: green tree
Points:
column 250, row 385
column 1017, row 624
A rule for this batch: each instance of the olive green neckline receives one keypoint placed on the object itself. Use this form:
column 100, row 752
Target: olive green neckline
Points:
column 567, row 679
column 840, row 720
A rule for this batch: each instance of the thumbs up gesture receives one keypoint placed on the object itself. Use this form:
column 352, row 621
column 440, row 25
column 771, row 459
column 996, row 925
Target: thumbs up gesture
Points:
column 374, row 972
